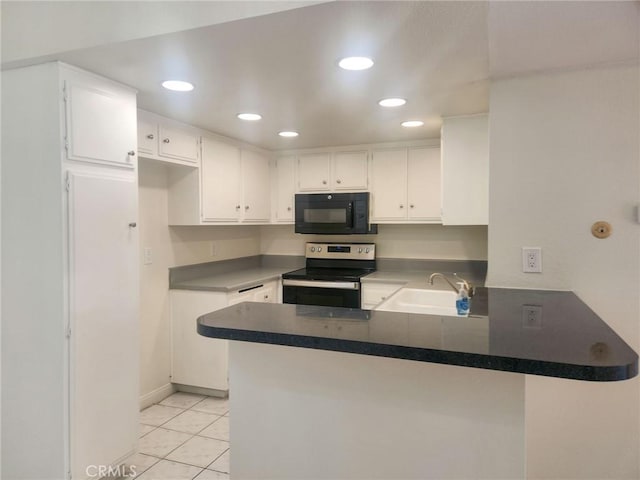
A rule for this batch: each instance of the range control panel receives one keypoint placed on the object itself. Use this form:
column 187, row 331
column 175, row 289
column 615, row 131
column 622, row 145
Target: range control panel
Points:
column 346, row 251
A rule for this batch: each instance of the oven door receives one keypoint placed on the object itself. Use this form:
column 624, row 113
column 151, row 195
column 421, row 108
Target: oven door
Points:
column 324, row 293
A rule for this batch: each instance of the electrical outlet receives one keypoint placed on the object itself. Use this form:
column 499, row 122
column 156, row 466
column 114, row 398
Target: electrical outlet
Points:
column 532, row 316
column 531, row 259
column 213, row 249
column 148, row 256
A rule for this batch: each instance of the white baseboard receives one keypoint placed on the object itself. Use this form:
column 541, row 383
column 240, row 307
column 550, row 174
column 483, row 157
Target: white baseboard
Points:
column 156, row 395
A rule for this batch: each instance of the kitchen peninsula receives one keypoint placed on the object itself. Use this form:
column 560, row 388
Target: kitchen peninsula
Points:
column 324, row 392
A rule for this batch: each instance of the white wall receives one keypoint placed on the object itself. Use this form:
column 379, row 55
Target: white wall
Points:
column 33, row 30
column 171, row 247
column 392, row 241
column 564, row 151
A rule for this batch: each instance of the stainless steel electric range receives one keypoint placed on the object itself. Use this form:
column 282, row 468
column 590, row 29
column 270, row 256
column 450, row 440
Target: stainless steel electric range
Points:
column 331, row 276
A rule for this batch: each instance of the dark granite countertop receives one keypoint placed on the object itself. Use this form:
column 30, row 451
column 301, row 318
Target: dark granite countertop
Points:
column 565, row 339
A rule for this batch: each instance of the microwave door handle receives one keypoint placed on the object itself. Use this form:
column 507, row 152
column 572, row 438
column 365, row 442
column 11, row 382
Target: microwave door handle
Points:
column 350, row 214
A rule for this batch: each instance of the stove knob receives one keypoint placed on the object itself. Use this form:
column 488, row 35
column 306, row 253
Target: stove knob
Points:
column 313, row 249
column 359, row 250
column 319, row 249
column 366, row 250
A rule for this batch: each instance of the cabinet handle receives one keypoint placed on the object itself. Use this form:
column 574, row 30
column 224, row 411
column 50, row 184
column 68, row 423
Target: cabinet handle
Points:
column 133, row 225
column 338, row 181
column 166, row 140
column 411, row 206
column 151, row 136
column 401, row 206
column 288, row 209
column 324, row 182
column 131, row 153
column 246, row 207
column 266, row 297
column 237, row 207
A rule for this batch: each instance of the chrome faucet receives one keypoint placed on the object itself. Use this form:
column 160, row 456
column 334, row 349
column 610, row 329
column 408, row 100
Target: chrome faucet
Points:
column 467, row 286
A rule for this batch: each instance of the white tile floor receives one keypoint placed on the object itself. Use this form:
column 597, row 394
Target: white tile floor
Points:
column 184, row 437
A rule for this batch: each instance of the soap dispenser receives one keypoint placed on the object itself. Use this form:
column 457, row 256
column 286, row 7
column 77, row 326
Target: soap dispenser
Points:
column 463, row 302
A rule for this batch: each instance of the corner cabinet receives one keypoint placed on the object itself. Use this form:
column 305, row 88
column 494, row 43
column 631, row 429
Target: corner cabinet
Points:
column 82, row 172
column 405, row 185
column 199, row 361
column 465, row 168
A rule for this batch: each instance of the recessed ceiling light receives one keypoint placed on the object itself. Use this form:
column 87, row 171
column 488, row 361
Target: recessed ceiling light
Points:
column 177, row 85
column 252, row 117
column 356, row 63
column 412, row 123
column 288, row 134
column 392, row 102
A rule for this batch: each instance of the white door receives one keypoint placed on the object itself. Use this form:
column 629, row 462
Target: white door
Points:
column 424, row 183
column 350, row 171
column 104, row 297
column 178, row 143
column 285, row 188
column 220, row 181
column 389, row 184
column 313, row 172
column 100, row 124
column 256, row 187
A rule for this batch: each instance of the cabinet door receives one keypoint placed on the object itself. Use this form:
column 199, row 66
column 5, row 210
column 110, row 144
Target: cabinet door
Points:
column 220, row 181
column 178, row 143
column 256, row 189
column 424, row 191
column 100, row 123
column 389, row 184
column 313, row 172
column 147, row 135
column 285, row 188
column 196, row 360
column 465, row 168
column 350, row 171
column 266, row 294
column 103, row 289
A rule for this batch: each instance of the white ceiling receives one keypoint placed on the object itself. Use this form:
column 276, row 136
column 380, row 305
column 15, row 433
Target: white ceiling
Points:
column 438, row 55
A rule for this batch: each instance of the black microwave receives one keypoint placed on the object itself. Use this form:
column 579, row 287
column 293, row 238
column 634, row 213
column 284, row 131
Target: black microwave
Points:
column 333, row 213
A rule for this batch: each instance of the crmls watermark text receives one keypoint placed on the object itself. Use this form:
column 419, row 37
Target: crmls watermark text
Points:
column 99, row 471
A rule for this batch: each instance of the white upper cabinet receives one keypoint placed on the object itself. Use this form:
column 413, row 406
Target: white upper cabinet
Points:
column 389, row 185
column 350, row 171
column 326, row 171
column 164, row 139
column 406, row 185
column 220, row 177
column 465, row 170
column 147, row 135
column 284, row 186
column 100, row 121
column 178, row 143
column 256, row 187
column 423, row 183
column 313, row 172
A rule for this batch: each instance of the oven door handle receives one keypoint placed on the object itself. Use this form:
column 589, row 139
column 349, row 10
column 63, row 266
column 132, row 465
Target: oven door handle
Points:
column 321, row 284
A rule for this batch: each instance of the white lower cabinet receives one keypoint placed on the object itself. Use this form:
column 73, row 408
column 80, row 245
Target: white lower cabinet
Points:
column 375, row 293
column 201, row 361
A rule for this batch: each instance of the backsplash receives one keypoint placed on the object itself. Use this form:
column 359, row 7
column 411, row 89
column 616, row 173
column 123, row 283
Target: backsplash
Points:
column 392, row 241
